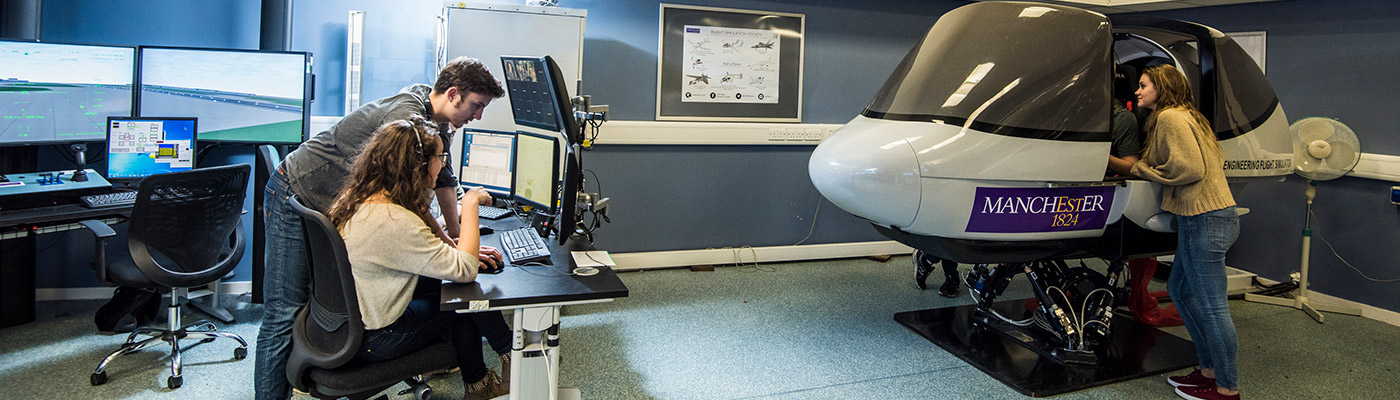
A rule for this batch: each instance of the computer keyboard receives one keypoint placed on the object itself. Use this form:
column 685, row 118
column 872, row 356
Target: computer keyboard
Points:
column 110, row 199
column 489, row 212
column 523, row 246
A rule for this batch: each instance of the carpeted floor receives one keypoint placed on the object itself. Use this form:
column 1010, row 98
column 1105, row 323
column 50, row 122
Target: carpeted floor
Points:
column 806, row 330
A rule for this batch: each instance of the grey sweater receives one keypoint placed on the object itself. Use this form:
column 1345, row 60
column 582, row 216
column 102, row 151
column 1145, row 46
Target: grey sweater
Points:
column 318, row 168
column 389, row 247
column 1192, row 174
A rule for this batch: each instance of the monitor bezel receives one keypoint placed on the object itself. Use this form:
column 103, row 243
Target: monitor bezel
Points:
column 568, row 195
column 135, row 75
column 563, row 107
column 562, row 103
column 554, row 188
column 306, row 88
column 194, row 145
column 496, row 192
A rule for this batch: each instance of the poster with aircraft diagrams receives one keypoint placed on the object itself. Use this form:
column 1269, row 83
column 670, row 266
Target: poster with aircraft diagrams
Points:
column 720, row 64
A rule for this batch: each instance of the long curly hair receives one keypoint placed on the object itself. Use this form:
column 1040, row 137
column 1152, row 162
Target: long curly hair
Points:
column 1173, row 91
column 394, row 162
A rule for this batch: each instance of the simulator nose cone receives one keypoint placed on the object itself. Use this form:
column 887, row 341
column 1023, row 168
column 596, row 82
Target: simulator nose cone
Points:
column 870, row 170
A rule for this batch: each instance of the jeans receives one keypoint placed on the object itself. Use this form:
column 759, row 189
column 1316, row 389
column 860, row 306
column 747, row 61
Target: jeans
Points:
column 421, row 326
column 286, row 286
column 491, row 324
column 1197, row 286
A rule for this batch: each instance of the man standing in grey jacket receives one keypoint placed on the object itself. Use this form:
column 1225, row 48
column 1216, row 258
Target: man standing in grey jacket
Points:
column 315, row 173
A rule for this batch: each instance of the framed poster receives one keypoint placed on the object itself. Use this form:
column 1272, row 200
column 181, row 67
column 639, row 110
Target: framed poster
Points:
column 722, row 64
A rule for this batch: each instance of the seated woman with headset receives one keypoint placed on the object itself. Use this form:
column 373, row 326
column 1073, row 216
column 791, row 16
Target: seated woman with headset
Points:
column 390, row 246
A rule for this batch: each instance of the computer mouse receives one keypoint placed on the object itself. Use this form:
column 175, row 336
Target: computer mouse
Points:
column 485, row 230
column 497, row 270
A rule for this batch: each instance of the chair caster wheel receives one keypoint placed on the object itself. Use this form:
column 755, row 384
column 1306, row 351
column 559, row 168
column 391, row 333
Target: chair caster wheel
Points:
column 98, row 378
column 424, row 394
column 240, row 353
column 174, row 382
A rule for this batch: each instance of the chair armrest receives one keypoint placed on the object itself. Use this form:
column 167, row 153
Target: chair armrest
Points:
column 98, row 228
column 100, row 232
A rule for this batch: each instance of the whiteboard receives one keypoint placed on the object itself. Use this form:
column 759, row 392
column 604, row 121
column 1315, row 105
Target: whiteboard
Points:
column 489, row 31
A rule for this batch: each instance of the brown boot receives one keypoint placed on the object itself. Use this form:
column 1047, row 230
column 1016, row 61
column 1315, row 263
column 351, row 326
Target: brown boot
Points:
column 489, row 387
column 505, row 370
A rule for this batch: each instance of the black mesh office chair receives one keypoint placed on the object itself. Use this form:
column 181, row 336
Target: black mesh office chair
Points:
column 185, row 231
column 328, row 330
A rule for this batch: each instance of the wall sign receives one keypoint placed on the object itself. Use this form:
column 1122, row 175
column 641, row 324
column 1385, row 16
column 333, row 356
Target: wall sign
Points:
column 719, row 64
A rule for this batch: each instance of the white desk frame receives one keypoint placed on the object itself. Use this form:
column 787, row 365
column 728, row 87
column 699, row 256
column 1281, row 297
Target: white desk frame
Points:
column 543, row 320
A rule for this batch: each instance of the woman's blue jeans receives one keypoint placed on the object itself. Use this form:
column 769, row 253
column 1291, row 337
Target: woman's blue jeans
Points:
column 422, row 325
column 1198, row 287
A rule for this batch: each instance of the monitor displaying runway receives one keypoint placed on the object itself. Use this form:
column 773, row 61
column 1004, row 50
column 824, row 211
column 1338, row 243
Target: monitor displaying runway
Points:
column 35, row 112
column 238, row 96
column 54, row 93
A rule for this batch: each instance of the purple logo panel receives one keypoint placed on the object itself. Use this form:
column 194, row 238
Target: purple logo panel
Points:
column 1021, row 210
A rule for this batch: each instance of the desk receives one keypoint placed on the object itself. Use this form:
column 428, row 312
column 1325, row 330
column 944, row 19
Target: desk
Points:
column 535, row 293
column 18, row 264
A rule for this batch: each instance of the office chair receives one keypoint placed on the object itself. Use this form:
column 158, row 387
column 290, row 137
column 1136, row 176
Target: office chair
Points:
column 185, row 231
column 328, row 330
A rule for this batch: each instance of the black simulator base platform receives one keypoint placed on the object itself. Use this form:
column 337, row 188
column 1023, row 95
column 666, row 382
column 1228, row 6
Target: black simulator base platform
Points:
column 1019, row 357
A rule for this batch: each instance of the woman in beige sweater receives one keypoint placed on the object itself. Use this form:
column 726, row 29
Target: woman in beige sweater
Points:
column 1182, row 154
column 382, row 215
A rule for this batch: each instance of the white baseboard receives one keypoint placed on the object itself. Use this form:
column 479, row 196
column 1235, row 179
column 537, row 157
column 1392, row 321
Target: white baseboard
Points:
column 1372, row 312
column 749, row 255
column 103, row 293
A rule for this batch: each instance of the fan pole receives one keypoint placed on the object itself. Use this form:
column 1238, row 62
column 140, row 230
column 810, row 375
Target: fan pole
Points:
column 1299, row 299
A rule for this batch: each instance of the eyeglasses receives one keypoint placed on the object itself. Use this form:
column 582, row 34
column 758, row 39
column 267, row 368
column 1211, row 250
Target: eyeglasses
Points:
column 446, row 157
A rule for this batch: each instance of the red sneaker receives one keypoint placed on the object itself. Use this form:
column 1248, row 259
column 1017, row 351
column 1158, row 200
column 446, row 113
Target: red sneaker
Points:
column 1192, row 379
column 1206, row 392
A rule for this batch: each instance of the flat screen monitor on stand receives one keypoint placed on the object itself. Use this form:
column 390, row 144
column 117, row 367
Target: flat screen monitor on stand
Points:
column 239, row 96
column 540, row 99
column 486, row 161
column 138, row 147
column 535, row 162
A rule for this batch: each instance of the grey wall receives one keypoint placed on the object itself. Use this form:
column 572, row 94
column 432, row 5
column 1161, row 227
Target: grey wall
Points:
column 1335, row 59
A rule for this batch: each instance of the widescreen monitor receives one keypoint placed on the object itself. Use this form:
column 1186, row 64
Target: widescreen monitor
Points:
column 61, row 93
column 536, row 166
column 539, row 97
column 486, row 160
column 238, row 95
column 138, row 147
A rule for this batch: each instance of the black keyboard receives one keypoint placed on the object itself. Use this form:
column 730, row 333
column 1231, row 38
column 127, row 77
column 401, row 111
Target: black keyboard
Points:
column 110, row 199
column 523, row 246
column 489, row 212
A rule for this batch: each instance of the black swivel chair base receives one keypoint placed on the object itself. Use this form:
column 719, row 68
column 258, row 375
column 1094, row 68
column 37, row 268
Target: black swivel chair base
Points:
column 204, row 330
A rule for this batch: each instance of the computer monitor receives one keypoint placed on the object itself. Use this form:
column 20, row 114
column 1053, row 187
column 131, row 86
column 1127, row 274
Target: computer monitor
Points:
column 536, row 166
column 138, row 147
column 61, row 93
column 238, row 95
column 568, row 195
column 486, row 160
column 539, row 97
